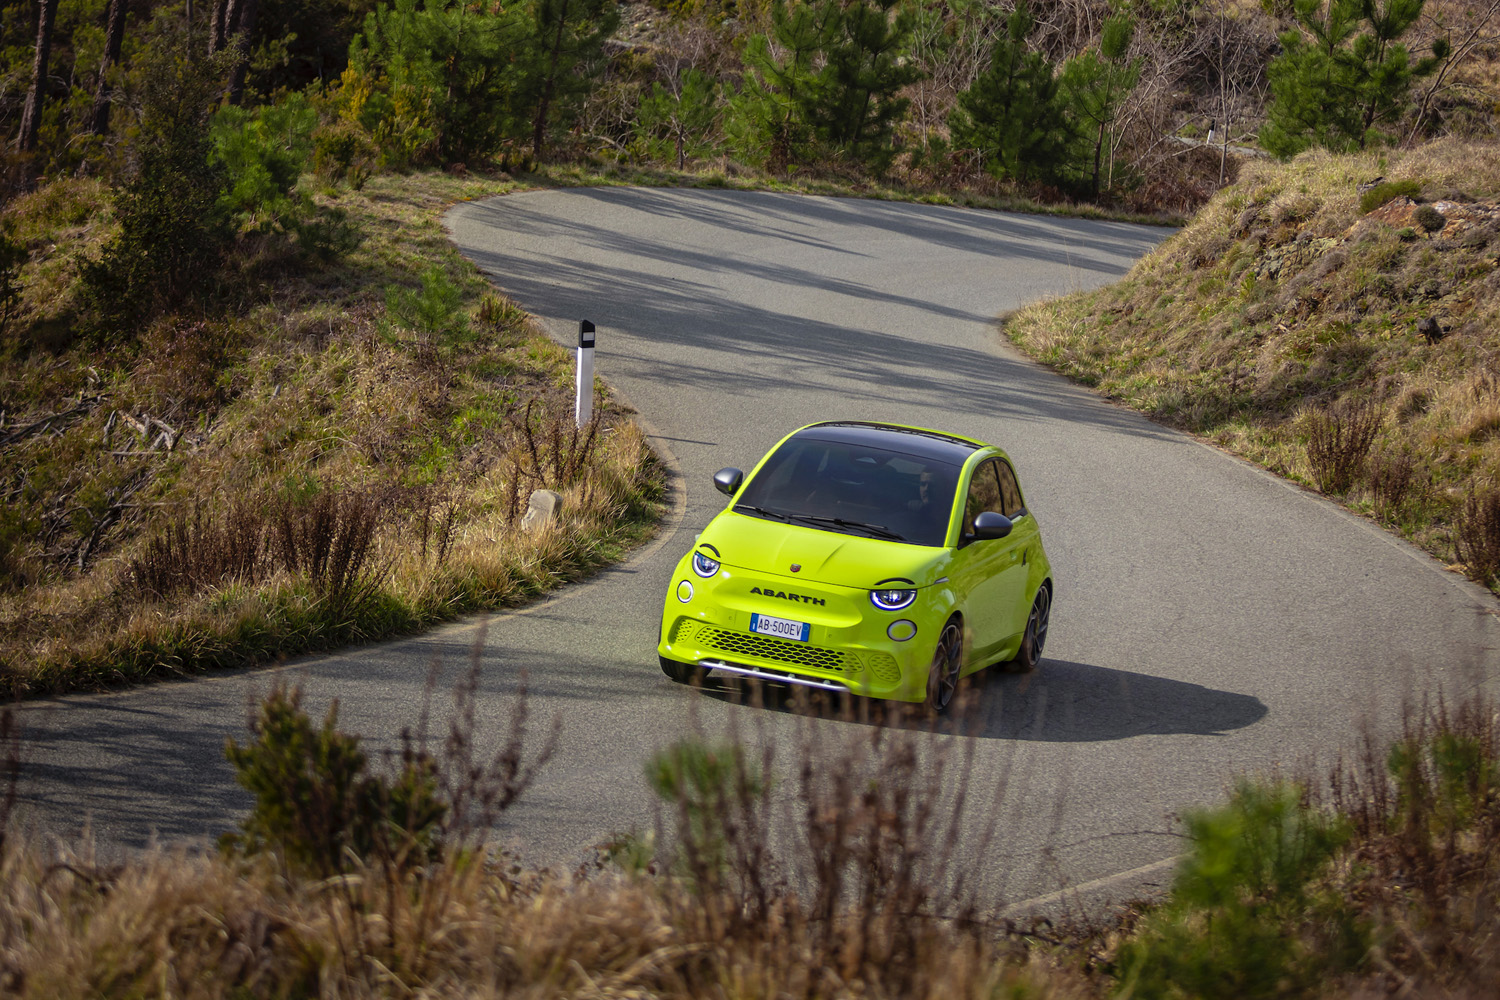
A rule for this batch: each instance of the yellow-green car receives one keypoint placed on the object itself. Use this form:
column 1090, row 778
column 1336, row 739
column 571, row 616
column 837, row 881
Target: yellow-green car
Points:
column 878, row 559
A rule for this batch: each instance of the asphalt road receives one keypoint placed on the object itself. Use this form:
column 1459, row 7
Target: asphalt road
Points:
column 1210, row 619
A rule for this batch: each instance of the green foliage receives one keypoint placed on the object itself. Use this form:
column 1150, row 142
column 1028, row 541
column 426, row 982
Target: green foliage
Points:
column 1429, row 218
column 1095, row 86
column 317, row 807
column 343, row 151
column 263, row 153
column 431, row 81
column 436, row 309
column 1012, row 114
column 766, row 124
column 1388, row 191
column 701, row 783
column 1244, row 918
column 678, row 121
column 174, row 227
column 1335, row 85
column 1444, row 780
column 853, row 103
column 560, row 59
column 837, row 80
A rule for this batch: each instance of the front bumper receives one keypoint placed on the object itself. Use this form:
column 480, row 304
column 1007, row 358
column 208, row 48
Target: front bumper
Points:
column 848, row 648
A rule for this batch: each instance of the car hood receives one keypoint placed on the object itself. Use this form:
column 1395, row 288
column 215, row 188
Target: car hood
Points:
column 830, row 557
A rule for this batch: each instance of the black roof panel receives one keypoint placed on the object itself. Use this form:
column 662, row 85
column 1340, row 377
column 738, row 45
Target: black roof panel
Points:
column 933, row 445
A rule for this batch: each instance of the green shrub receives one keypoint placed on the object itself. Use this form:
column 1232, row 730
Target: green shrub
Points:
column 703, row 784
column 174, row 228
column 317, row 807
column 263, row 153
column 1244, row 919
column 436, row 309
column 343, row 152
column 1387, row 191
column 1430, row 218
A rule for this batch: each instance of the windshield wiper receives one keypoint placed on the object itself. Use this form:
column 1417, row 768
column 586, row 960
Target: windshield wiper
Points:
column 874, row 529
column 761, row 511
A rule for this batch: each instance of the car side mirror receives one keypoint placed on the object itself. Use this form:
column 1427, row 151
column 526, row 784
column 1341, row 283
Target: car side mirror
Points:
column 728, row 482
column 991, row 525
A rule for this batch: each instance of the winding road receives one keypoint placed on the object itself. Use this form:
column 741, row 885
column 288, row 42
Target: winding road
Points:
column 1210, row 618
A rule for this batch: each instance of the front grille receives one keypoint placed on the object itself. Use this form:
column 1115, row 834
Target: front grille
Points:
column 884, row 667
column 705, row 636
column 683, row 631
column 778, row 649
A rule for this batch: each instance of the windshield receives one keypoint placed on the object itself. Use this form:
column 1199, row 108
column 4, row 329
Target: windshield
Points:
column 854, row 488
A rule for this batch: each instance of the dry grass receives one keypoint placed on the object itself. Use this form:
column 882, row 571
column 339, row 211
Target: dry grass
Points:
column 846, row 887
column 1282, row 298
column 299, row 471
column 841, row 882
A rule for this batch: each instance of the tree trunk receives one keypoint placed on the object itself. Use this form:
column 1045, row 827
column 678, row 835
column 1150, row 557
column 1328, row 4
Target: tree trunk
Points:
column 1098, row 150
column 241, row 29
column 544, row 103
column 114, row 35
column 217, row 26
column 31, row 115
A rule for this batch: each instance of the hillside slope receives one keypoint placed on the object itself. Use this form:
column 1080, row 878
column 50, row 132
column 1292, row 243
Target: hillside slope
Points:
column 1333, row 318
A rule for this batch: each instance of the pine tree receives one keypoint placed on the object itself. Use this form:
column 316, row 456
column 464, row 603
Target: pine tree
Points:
column 440, row 78
column 853, row 103
column 567, row 40
column 31, row 113
column 767, row 122
column 1012, row 114
column 1096, row 86
column 679, row 117
column 1335, row 85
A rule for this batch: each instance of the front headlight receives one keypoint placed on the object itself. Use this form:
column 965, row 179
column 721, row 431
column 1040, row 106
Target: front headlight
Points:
column 892, row 600
column 705, row 565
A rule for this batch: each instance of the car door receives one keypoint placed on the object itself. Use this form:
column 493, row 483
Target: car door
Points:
column 1023, row 545
column 988, row 573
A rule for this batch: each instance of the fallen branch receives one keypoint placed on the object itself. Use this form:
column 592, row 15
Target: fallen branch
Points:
column 21, row 433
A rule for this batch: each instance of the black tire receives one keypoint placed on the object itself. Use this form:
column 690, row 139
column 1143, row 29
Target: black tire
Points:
column 1029, row 656
column 947, row 663
column 680, row 672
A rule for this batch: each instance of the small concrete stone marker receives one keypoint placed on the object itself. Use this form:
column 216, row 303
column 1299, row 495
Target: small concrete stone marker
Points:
column 540, row 510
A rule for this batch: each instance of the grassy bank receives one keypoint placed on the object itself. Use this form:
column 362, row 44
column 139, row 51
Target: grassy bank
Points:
column 1336, row 319
column 355, row 879
column 334, row 448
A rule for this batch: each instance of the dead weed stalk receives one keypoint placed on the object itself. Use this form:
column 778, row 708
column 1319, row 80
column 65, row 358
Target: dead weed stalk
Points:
column 1339, row 441
column 1477, row 535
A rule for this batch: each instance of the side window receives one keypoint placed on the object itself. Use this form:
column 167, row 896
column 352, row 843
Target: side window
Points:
column 984, row 494
column 1009, row 491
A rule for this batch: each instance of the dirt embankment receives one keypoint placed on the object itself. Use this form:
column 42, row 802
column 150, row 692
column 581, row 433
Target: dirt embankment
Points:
column 1335, row 318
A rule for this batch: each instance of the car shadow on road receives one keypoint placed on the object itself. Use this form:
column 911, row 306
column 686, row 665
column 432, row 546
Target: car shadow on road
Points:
column 1060, row 702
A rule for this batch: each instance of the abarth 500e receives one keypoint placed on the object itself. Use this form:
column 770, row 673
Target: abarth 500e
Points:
column 872, row 558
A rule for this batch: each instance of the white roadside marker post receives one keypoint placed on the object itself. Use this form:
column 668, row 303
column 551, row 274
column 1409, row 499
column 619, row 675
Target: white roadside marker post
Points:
column 583, row 405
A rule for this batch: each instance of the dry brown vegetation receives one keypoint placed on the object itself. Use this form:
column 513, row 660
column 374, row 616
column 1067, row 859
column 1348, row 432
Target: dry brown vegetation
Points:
column 841, row 880
column 1284, row 315
column 341, row 453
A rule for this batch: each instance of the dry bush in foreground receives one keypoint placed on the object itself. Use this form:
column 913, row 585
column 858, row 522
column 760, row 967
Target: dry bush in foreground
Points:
column 845, row 881
column 1339, row 441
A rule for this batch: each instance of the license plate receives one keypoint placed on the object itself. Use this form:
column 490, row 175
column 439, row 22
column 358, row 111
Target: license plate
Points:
column 781, row 628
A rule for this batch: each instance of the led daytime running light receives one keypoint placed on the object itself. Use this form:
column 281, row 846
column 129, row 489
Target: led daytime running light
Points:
column 892, row 599
column 705, row 565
